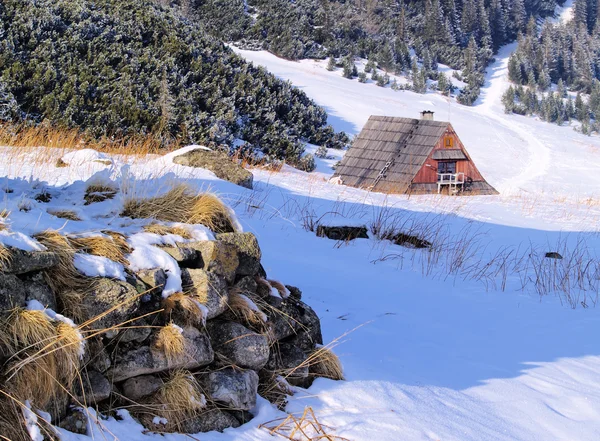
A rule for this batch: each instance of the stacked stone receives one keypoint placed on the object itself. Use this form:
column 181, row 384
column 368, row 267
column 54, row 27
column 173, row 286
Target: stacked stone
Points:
column 124, row 366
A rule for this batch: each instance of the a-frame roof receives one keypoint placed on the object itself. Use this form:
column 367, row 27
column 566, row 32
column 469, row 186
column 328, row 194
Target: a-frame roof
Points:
column 402, row 143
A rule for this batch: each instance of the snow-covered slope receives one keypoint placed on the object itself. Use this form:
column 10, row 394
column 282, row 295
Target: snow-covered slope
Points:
column 429, row 352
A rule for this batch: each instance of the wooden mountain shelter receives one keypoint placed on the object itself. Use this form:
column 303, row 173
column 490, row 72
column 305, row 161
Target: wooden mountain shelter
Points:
column 414, row 156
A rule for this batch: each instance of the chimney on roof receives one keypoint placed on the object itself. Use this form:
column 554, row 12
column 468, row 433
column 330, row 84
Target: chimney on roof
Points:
column 427, row 115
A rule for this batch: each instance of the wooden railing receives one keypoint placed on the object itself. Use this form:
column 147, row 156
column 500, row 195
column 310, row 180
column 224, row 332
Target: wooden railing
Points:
column 454, row 181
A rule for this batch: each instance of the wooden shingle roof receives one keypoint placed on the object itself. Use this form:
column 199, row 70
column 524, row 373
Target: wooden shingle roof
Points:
column 401, row 143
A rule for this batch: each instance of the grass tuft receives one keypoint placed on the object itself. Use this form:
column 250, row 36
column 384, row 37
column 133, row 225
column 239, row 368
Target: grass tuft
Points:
column 67, row 284
column 324, row 363
column 5, row 255
column 171, row 341
column 28, row 329
column 182, row 204
column 246, row 309
column 281, row 289
column 65, row 214
column 163, row 230
column 178, row 400
column 68, row 352
column 186, row 308
column 104, row 246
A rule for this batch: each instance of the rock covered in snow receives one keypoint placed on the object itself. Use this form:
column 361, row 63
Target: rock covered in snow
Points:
column 219, row 163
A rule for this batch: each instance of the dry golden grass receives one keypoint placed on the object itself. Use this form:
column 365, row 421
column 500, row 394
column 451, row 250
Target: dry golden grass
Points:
column 103, row 246
column 5, row 255
column 68, row 139
column 281, row 289
column 35, row 381
column 182, row 204
column 305, row 427
column 163, row 230
column 68, row 352
column 185, row 307
column 101, row 187
column 170, row 340
column 28, row 332
column 28, row 329
column 99, row 191
column 240, row 307
column 119, row 239
column 65, row 214
column 178, row 400
column 12, row 422
column 67, row 284
column 324, row 363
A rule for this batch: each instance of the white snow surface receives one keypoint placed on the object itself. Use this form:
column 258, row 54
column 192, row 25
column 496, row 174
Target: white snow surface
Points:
column 98, row 266
column 429, row 353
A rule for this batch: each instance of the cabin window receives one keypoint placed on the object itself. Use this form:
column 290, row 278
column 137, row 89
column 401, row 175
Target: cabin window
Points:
column 447, row 167
column 448, row 142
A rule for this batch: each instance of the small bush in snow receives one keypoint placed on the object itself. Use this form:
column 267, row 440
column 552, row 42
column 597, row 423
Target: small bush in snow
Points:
column 321, row 152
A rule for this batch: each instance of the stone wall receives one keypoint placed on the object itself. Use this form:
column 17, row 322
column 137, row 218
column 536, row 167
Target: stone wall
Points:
column 229, row 335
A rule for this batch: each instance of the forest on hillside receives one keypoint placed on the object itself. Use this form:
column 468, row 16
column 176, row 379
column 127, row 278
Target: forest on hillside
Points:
column 118, row 68
column 566, row 55
column 463, row 34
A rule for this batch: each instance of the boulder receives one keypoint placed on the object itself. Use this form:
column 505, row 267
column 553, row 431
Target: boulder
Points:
column 342, row 233
column 289, row 317
column 248, row 251
column 16, row 292
column 91, row 388
column 247, row 284
column 233, row 388
column 76, row 421
column 217, row 256
column 37, row 289
column 107, row 294
column 290, row 361
column 219, row 163
column 96, row 356
column 137, row 332
column 410, row 241
column 185, row 256
column 140, row 387
column 154, row 279
column 208, row 288
column 238, row 344
column 22, row 262
column 12, row 292
column 149, row 360
column 212, row 420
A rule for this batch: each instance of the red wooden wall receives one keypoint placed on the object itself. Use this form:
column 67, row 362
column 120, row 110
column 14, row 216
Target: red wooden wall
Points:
column 428, row 173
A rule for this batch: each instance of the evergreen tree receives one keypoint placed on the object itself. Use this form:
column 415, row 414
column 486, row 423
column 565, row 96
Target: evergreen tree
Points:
column 331, row 64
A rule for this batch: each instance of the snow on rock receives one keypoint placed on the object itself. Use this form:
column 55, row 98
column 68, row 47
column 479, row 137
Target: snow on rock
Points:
column 31, row 422
column 147, row 256
column 98, row 266
column 19, row 240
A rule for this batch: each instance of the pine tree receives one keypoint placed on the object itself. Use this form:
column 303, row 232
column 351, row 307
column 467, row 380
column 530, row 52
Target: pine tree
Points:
column 442, row 84
column 331, row 64
column 508, row 99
